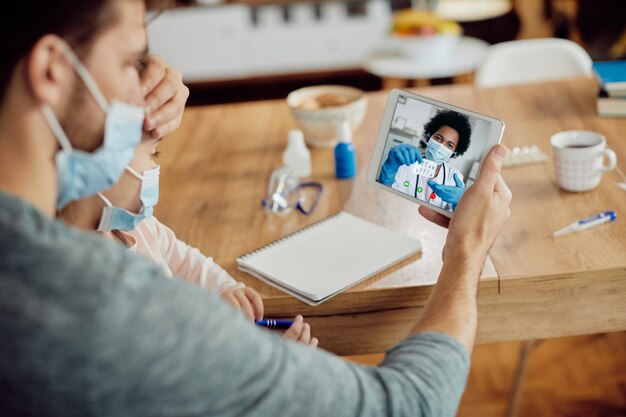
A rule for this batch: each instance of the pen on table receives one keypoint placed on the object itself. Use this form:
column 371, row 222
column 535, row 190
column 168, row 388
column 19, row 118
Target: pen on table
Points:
column 587, row 222
column 274, row 323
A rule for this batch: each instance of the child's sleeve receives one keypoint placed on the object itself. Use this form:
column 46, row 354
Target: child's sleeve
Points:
column 189, row 263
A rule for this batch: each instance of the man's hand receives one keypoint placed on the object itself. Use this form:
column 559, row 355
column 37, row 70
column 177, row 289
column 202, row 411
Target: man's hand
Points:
column 481, row 212
column 452, row 307
column 301, row 332
column 245, row 299
column 165, row 97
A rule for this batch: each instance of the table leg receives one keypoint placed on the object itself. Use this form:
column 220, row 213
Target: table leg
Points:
column 520, row 377
column 548, row 9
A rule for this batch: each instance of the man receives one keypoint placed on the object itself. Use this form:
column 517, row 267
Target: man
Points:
column 448, row 136
column 88, row 329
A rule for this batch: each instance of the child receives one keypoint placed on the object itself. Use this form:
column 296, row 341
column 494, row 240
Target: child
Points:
column 124, row 213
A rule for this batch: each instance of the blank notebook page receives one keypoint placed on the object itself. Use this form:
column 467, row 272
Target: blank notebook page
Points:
column 329, row 256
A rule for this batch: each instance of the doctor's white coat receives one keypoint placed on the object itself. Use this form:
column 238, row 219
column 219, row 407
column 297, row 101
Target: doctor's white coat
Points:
column 408, row 182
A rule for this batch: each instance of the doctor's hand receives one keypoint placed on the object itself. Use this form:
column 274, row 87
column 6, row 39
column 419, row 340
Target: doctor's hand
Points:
column 449, row 193
column 480, row 215
column 245, row 299
column 398, row 155
column 301, row 332
column 165, row 96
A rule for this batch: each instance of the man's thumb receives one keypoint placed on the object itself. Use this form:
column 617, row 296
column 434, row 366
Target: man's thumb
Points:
column 492, row 165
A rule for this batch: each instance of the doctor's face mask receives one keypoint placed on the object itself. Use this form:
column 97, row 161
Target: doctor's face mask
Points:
column 442, row 144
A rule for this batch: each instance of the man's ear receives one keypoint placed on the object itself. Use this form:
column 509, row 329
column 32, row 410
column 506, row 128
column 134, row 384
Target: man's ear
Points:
column 48, row 73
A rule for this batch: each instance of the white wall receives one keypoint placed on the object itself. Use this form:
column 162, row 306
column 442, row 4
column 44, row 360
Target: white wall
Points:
column 415, row 112
column 480, row 130
column 222, row 42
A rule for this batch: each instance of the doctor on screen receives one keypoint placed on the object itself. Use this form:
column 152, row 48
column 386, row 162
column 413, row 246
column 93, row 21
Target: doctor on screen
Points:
column 448, row 136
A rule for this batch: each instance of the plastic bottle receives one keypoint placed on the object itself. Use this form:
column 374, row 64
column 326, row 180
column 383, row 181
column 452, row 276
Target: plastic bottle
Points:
column 345, row 154
column 297, row 157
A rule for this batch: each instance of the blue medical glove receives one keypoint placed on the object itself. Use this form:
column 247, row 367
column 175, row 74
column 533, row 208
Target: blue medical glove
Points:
column 449, row 193
column 398, row 155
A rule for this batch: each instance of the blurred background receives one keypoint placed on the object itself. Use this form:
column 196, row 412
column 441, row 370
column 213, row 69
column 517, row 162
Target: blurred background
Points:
column 242, row 50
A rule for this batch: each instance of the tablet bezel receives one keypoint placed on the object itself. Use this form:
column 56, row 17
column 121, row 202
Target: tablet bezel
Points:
column 496, row 131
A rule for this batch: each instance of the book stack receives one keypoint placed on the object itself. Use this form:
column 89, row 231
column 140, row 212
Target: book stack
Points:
column 612, row 96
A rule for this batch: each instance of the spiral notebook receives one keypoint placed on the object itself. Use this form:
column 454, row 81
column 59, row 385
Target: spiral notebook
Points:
column 320, row 261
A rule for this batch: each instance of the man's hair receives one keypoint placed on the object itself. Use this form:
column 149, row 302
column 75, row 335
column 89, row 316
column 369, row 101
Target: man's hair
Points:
column 456, row 121
column 24, row 22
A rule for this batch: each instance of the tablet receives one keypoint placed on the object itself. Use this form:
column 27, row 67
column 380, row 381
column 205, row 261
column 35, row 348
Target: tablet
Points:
column 430, row 152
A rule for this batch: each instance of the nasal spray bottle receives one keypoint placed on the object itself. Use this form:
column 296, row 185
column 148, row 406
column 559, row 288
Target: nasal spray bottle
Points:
column 297, row 157
column 345, row 154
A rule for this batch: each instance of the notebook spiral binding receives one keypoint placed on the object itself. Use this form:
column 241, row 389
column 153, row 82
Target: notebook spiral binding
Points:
column 289, row 236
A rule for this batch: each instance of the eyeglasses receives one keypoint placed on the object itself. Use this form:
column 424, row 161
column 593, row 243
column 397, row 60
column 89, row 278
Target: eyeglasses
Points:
column 285, row 193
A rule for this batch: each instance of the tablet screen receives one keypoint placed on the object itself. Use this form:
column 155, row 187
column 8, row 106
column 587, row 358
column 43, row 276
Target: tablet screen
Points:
column 432, row 153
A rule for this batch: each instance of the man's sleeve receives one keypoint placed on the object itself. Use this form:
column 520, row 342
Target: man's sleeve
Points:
column 166, row 348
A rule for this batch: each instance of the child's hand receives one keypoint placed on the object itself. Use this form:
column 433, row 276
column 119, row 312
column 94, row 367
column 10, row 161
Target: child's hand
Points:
column 245, row 299
column 301, row 332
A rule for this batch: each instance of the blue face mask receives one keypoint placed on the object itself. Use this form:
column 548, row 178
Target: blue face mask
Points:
column 81, row 174
column 116, row 218
column 436, row 152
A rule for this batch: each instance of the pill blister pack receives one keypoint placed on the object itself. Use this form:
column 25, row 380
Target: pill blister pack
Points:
column 526, row 155
column 426, row 169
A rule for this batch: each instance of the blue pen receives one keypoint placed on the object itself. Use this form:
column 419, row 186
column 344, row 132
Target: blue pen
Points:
column 274, row 323
column 587, row 222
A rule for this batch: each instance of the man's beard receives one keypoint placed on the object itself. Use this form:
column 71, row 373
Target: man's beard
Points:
column 83, row 120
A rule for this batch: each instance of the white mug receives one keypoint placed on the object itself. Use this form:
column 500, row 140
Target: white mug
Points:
column 578, row 159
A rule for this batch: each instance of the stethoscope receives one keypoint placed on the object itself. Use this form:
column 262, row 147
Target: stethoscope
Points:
column 417, row 181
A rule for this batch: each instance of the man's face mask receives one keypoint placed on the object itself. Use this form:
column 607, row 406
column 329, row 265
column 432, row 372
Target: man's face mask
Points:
column 116, row 218
column 82, row 174
column 436, row 152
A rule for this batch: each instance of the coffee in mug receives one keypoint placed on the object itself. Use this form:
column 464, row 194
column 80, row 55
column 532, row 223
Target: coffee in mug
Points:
column 578, row 159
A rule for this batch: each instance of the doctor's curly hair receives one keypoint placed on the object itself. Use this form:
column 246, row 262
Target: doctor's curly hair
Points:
column 456, row 121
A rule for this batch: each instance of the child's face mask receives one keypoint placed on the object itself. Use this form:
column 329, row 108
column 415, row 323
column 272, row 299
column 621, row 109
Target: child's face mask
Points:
column 116, row 218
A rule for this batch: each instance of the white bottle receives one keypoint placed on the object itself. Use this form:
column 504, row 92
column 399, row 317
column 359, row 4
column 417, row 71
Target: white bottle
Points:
column 297, row 156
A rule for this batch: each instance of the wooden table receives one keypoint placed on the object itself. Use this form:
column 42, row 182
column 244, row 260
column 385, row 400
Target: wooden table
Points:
column 215, row 171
